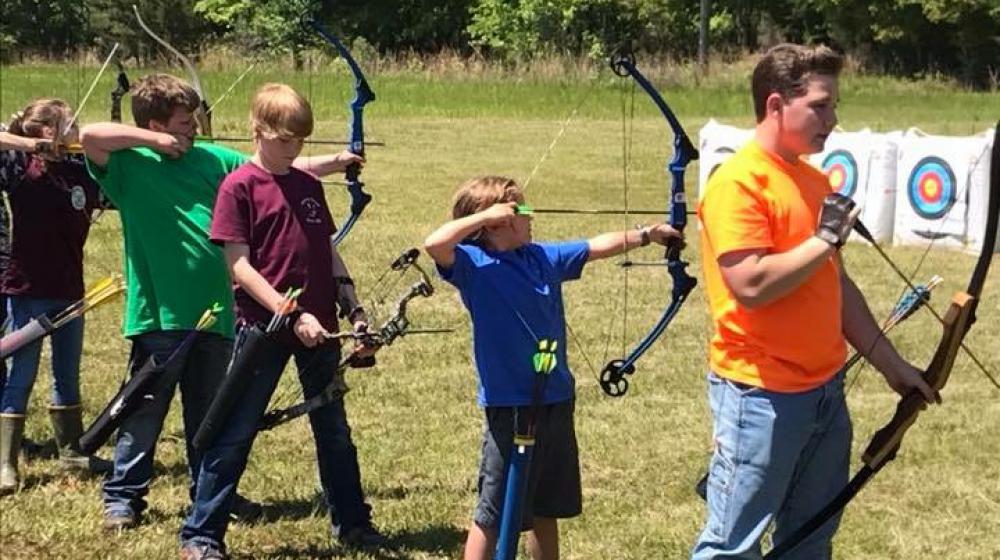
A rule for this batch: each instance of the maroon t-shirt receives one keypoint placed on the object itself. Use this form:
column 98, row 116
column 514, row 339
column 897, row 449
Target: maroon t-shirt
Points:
column 51, row 205
column 285, row 221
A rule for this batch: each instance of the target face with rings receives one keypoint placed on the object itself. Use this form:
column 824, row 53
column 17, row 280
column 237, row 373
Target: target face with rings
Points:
column 842, row 170
column 931, row 188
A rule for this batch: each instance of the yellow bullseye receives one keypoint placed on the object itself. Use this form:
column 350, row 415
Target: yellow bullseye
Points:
column 931, row 188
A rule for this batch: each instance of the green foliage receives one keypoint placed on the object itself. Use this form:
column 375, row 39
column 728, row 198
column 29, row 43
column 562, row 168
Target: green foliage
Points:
column 47, row 27
column 521, row 29
column 953, row 37
column 957, row 38
column 417, row 25
column 273, row 27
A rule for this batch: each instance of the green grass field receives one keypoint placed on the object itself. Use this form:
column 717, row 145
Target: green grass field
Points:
column 414, row 417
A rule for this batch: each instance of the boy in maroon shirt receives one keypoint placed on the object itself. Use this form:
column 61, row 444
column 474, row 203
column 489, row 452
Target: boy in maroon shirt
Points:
column 274, row 224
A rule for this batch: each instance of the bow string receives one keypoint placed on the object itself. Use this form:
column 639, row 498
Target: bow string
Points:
column 202, row 114
column 363, row 95
column 614, row 376
column 396, row 326
column 956, row 323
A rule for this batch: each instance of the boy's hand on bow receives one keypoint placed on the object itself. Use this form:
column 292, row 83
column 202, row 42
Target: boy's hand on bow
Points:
column 309, row 330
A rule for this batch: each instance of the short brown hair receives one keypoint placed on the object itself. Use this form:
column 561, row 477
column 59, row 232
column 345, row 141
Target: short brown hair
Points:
column 278, row 110
column 479, row 193
column 157, row 96
column 39, row 113
column 785, row 69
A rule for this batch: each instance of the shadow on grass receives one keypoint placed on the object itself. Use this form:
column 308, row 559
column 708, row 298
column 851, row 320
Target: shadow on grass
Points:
column 33, row 449
column 293, row 509
column 445, row 540
column 33, row 481
column 175, row 470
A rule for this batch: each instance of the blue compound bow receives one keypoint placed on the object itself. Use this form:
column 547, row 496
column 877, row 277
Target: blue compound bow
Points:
column 613, row 377
column 356, row 137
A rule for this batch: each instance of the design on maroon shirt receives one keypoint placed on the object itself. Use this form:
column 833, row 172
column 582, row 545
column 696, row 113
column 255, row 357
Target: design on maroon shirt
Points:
column 312, row 210
column 51, row 204
column 285, row 222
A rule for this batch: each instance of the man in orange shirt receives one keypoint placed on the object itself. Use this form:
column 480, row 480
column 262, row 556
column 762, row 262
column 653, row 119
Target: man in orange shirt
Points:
column 784, row 311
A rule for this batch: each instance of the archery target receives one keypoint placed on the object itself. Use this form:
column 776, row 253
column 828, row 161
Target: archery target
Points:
column 721, row 154
column 931, row 188
column 717, row 142
column 842, row 169
column 862, row 165
column 943, row 185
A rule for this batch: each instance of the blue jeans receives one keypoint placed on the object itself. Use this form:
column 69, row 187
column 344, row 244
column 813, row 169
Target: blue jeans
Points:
column 67, row 345
column 224, row 462
column 3, row 331
column 779, row 457
column 198, row 371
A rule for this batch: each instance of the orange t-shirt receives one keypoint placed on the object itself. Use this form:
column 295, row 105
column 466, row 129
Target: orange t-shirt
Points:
column 757, row 200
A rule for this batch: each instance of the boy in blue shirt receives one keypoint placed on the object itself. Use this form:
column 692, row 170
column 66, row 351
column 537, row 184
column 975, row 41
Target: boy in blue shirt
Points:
column 512, row 288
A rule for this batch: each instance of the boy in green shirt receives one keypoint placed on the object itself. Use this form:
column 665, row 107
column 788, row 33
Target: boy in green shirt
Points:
column 164, row 185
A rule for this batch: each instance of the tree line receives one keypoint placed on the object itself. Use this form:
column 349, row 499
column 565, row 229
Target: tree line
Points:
column 957, row 38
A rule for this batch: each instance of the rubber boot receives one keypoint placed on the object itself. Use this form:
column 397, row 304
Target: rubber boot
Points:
column 11, row 432
column 67, row 423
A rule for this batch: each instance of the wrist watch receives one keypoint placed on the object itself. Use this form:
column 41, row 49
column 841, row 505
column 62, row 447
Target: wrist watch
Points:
column 643, row 236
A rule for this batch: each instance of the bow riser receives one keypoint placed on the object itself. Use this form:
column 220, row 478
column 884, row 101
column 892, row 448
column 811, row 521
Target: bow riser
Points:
column 363, row 95
column 613, row 377
column 887, row 440
column 957, row 321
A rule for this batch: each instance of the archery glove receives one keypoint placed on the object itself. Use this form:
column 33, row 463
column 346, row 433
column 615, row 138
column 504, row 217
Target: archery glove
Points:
column 836, row 219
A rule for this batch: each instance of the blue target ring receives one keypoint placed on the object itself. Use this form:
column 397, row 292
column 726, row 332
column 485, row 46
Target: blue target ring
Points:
column 931, row 188
column 842, row 170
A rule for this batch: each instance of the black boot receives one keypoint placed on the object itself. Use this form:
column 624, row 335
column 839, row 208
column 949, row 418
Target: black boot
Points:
column 67, row 422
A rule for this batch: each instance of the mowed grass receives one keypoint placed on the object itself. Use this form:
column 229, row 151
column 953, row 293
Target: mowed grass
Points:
column 415, row 420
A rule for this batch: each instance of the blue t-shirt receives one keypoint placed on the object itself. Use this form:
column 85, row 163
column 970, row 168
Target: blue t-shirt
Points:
column 515, row 301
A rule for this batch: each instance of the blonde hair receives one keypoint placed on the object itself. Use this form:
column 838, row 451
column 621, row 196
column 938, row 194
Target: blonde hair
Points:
column 157, row 96
column 280, row 111
column 38, row 114
column 479, row 193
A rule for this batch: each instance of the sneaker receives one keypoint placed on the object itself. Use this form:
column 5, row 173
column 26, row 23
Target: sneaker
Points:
column 120, row 521
column 364, row 536
column 245, row 511
column 199, row 551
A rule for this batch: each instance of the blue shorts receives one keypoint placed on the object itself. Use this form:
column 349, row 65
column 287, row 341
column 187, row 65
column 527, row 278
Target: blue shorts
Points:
column 554, row 478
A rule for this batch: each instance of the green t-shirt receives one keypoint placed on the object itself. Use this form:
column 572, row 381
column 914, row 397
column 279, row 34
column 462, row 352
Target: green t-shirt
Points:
column 174, row 272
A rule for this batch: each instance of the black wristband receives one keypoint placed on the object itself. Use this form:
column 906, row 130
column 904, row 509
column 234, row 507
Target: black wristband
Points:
column 644, row 238
column 353, row 313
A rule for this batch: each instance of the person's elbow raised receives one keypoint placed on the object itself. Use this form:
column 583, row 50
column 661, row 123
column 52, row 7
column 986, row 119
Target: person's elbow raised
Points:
column 88, row 138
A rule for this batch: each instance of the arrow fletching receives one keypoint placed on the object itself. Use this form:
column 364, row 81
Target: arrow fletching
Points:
column 209, row 317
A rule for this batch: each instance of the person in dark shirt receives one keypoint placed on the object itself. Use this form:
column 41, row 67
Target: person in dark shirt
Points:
column 275, row 228
column 51, row 199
